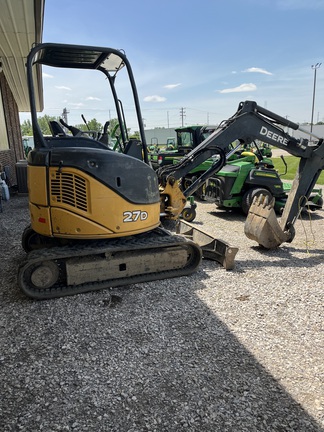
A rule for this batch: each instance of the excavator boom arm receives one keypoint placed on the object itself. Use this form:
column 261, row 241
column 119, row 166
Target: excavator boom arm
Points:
column 251, row 122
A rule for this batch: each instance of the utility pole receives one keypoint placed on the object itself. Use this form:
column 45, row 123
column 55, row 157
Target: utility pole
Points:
column 182, row 115
column 314, row 67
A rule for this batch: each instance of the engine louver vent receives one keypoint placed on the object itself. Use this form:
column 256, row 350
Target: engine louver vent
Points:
column 69, row 189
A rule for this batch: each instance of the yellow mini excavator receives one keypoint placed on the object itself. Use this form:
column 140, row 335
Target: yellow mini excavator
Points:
column 95, row 207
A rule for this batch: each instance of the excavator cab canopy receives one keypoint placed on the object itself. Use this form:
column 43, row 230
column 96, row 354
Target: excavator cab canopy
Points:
column 109, row 61
column 69, row 56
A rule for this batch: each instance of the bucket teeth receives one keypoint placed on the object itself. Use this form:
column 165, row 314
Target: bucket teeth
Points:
column 262, row 225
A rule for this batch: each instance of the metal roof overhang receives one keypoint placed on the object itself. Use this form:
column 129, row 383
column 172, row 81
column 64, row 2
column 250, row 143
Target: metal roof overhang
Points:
column 21, row 26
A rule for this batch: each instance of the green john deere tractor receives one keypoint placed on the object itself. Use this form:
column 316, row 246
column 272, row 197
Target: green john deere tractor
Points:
column 188, row 138
column 249, row 175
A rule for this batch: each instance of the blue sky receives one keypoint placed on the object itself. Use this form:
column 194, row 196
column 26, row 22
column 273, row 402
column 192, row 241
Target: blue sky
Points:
column 205, row 56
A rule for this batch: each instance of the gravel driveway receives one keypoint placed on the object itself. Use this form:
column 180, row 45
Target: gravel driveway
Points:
column 238, row 350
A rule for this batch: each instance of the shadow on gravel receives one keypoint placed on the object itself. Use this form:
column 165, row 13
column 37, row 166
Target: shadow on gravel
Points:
column 159, row 360
column 283, row 257
column 230, row 215
column 237, row 215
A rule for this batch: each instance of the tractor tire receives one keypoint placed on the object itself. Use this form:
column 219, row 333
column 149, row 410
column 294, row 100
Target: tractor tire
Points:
column 201, row 193
column 249, row 196
column 187, row 181
column 188, row 214
column 317, row 206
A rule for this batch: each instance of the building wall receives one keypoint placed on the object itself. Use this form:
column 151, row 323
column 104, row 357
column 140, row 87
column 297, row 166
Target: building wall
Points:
column 317, row 130
column 158, row 135
column 12, row 151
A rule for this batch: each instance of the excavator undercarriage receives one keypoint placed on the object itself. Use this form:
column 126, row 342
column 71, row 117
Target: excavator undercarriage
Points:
column 88, row 266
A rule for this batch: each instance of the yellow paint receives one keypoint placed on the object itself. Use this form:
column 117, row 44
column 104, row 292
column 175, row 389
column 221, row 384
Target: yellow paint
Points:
column 37, row 184
column 82, row 207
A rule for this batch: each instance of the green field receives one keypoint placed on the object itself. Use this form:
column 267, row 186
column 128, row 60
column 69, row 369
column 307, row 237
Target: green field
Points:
column 292, row 163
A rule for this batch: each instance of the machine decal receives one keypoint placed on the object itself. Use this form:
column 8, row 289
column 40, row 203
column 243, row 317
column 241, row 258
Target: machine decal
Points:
column 134, row 216
column 275, row 137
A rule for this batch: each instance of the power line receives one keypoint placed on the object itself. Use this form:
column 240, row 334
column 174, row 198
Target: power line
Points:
column 182, row 115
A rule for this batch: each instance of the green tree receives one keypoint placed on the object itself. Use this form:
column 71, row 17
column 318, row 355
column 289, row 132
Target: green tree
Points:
column 26, row 128
column 43, row 123
column 136, row 135
column 92, row 125
column 95, row 125
column 113, row 128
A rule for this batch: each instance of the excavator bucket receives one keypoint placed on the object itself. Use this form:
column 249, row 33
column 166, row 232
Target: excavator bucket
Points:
column 262, row 225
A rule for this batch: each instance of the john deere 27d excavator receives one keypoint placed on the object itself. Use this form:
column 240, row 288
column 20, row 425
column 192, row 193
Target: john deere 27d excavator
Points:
column 95, row 213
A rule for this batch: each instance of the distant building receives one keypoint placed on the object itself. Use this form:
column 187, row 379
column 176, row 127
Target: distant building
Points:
column 317, row 130
column 159, row 136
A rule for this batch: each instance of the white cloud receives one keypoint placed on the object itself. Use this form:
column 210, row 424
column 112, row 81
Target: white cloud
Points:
column 80, row 104
column 241, row 88
column 154, row 98
column 257, row 70
column 46, row 75
column 172, row 86
column 92, row 98
column 63, row 88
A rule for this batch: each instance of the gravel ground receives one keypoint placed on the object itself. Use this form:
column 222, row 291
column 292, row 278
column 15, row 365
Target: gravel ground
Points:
column 238, row 350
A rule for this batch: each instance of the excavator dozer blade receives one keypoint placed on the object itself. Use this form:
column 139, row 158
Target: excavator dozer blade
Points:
column 262, row 225
column 212, row 248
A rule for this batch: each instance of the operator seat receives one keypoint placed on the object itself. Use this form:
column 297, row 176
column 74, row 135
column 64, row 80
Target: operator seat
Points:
column 56, row 128
column 253, row 156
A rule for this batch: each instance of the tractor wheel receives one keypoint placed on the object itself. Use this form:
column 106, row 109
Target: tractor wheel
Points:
column 320, row 202
column 201, row 193
column 187, row 181
column 318, row 205
column 188, row 214
column 249, row 196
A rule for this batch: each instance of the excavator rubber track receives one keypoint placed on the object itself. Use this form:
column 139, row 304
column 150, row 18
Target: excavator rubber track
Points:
column 95, row 265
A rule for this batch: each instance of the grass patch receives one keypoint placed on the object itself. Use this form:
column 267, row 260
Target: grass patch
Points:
column 292, row 163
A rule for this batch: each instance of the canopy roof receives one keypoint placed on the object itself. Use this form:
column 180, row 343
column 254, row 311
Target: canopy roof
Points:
column 73, row 56
column 21, row 26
